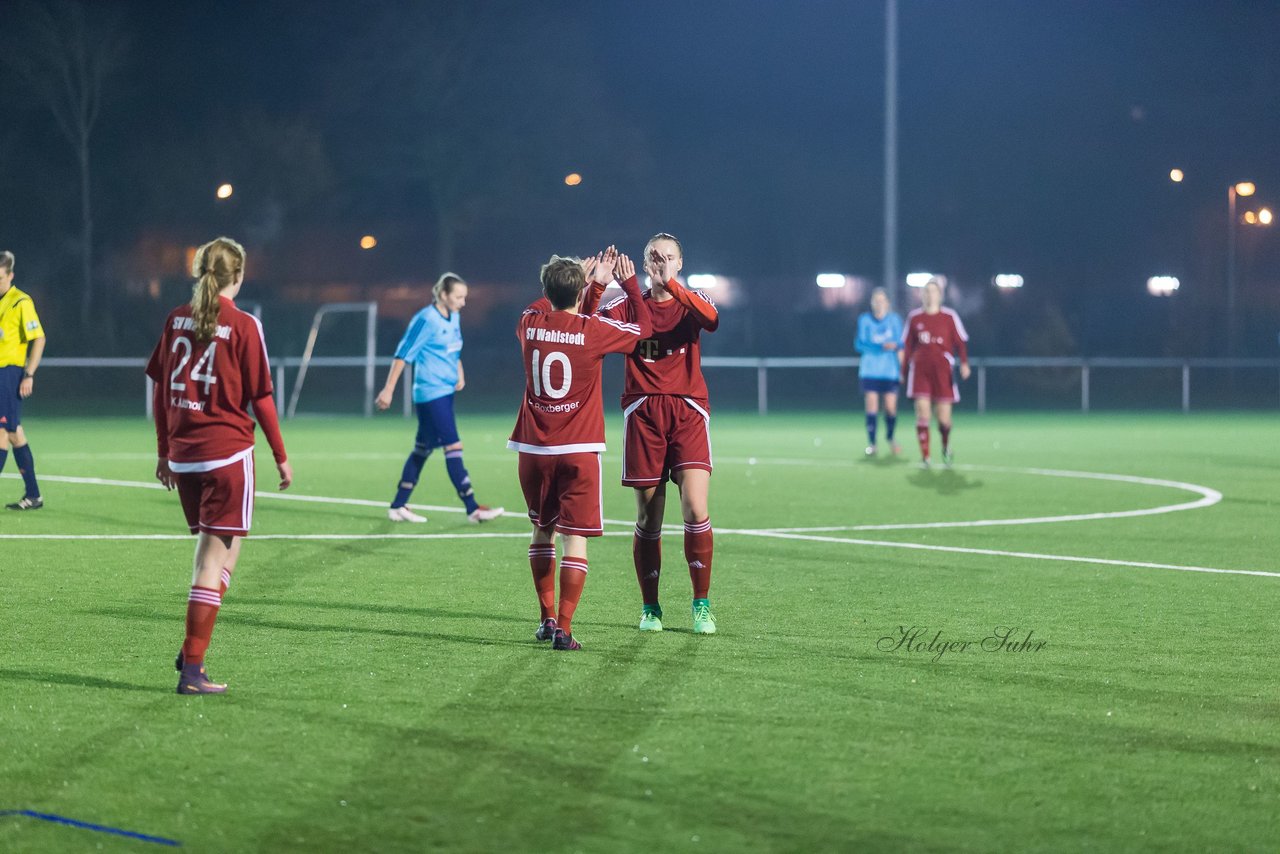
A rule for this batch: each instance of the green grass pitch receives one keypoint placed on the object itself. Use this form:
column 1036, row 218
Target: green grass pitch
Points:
column 386, row 694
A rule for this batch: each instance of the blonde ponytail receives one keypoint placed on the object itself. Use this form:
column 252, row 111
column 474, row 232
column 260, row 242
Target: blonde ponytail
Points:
column 444, row 285
column 216, row 266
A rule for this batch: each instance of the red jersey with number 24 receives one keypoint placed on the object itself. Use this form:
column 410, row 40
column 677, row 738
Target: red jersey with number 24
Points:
column 207, row 388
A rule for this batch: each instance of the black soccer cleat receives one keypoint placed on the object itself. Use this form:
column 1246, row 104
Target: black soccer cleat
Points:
column 194, row 680
column 564, row 641
column 26, row 504
column 546, row 631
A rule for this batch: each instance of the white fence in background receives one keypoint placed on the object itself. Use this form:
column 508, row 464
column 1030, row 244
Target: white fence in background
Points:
column 762, row 366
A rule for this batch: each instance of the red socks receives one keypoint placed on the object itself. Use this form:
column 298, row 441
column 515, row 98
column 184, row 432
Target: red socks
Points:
column 542, row 561
column 202, row 613
column 698, row 546
column 922, row 434
column 573, row 574
column 646, row 552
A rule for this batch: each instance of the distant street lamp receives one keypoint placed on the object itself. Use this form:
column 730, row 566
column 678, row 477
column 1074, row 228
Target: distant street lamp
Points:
column 368, row 241
column 1162, row 286
column 1245, row 189
column 573, row 179
column 1176, row 176
column 1007, row 280
column 225, row 191
column 1264, row 216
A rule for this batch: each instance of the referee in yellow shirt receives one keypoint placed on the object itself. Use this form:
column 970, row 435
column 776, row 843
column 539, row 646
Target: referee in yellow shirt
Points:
column 21, row 346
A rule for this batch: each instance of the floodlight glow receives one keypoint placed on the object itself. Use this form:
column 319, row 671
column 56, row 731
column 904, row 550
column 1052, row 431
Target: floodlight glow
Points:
column 1245, row 188
column 1007, row 280
column 1162, row 286
column 702, row 281
column 1250, row 217
column 1176, row 176
column 831, row 280
column 368, row 241
column 573, row 179
column 919, row 280
column 225, row 191
column 1265, row 216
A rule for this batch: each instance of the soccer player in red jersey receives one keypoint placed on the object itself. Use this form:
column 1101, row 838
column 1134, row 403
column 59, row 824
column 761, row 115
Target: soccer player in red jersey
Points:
column 932, row 339
column 559, row 432
column 210, row 368
column 667, row 423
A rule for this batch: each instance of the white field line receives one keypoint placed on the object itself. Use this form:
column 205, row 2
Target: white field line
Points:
column 1208, row 497
column 375, row 536
column 283, row 496
column 782, row 535
column 286, row 496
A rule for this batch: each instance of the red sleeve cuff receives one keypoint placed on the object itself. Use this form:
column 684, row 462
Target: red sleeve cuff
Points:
column 264, row 409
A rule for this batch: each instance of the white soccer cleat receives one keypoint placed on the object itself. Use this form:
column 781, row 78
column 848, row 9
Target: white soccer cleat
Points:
column 870, row 451
column 484, row 514
column 404, row 514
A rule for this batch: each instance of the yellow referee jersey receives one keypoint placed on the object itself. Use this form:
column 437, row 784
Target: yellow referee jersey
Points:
column 19, row 325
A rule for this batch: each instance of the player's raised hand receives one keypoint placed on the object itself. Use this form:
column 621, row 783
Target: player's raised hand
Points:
column 605, row 262
column 624, row 269
column 286, row 474
column 589, row 267
column 165, row 475
column 653, row 266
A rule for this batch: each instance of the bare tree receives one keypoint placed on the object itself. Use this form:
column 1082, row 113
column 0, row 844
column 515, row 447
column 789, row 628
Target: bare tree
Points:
column 66, row 55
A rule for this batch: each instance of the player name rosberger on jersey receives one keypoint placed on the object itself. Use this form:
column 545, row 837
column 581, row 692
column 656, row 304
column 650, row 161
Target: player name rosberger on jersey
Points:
column 188, row 324
column 555, row 336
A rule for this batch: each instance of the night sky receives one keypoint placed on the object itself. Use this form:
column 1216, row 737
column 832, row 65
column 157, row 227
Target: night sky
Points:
column 1035, row 137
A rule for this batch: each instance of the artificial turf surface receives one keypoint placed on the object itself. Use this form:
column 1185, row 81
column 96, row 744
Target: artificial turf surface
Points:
column 387, row 695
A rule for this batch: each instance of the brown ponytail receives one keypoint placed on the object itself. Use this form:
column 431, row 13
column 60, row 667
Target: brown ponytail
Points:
column 216, row 266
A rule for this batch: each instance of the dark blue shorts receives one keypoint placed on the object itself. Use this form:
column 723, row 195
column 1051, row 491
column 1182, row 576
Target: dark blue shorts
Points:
column 436, row 427
column 879, row 386
column 10, row 402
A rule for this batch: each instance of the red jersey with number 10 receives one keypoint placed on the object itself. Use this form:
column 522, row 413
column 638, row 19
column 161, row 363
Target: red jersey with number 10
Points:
column 562, row 411
column 207, row 388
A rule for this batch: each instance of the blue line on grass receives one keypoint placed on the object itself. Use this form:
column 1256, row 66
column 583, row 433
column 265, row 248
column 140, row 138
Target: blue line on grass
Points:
column 84, row 825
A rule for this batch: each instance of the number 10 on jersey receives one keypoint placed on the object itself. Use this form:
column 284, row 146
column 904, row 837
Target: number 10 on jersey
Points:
column 542, row 375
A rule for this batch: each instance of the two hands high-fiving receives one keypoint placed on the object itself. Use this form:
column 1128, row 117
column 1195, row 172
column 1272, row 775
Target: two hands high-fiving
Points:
column 604, row 267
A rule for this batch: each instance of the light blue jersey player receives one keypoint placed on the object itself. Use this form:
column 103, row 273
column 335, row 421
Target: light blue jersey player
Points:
column 433, row 345
column 878, row 343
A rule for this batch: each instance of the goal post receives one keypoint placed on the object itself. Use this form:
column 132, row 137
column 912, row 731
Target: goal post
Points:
column 368, row 361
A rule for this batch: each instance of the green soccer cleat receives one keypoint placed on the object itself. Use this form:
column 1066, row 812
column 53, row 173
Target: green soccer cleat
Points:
column 651, row 620
column 703, row 622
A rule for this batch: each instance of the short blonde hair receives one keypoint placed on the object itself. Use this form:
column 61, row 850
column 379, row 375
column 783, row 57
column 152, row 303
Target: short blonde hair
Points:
column 6, row 260
column 662, row 235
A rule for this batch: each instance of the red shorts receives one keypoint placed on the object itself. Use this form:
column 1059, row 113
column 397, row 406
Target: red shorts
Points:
column 563, row 490
column 932, row 380
column 664, row 433
column 219, row 501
